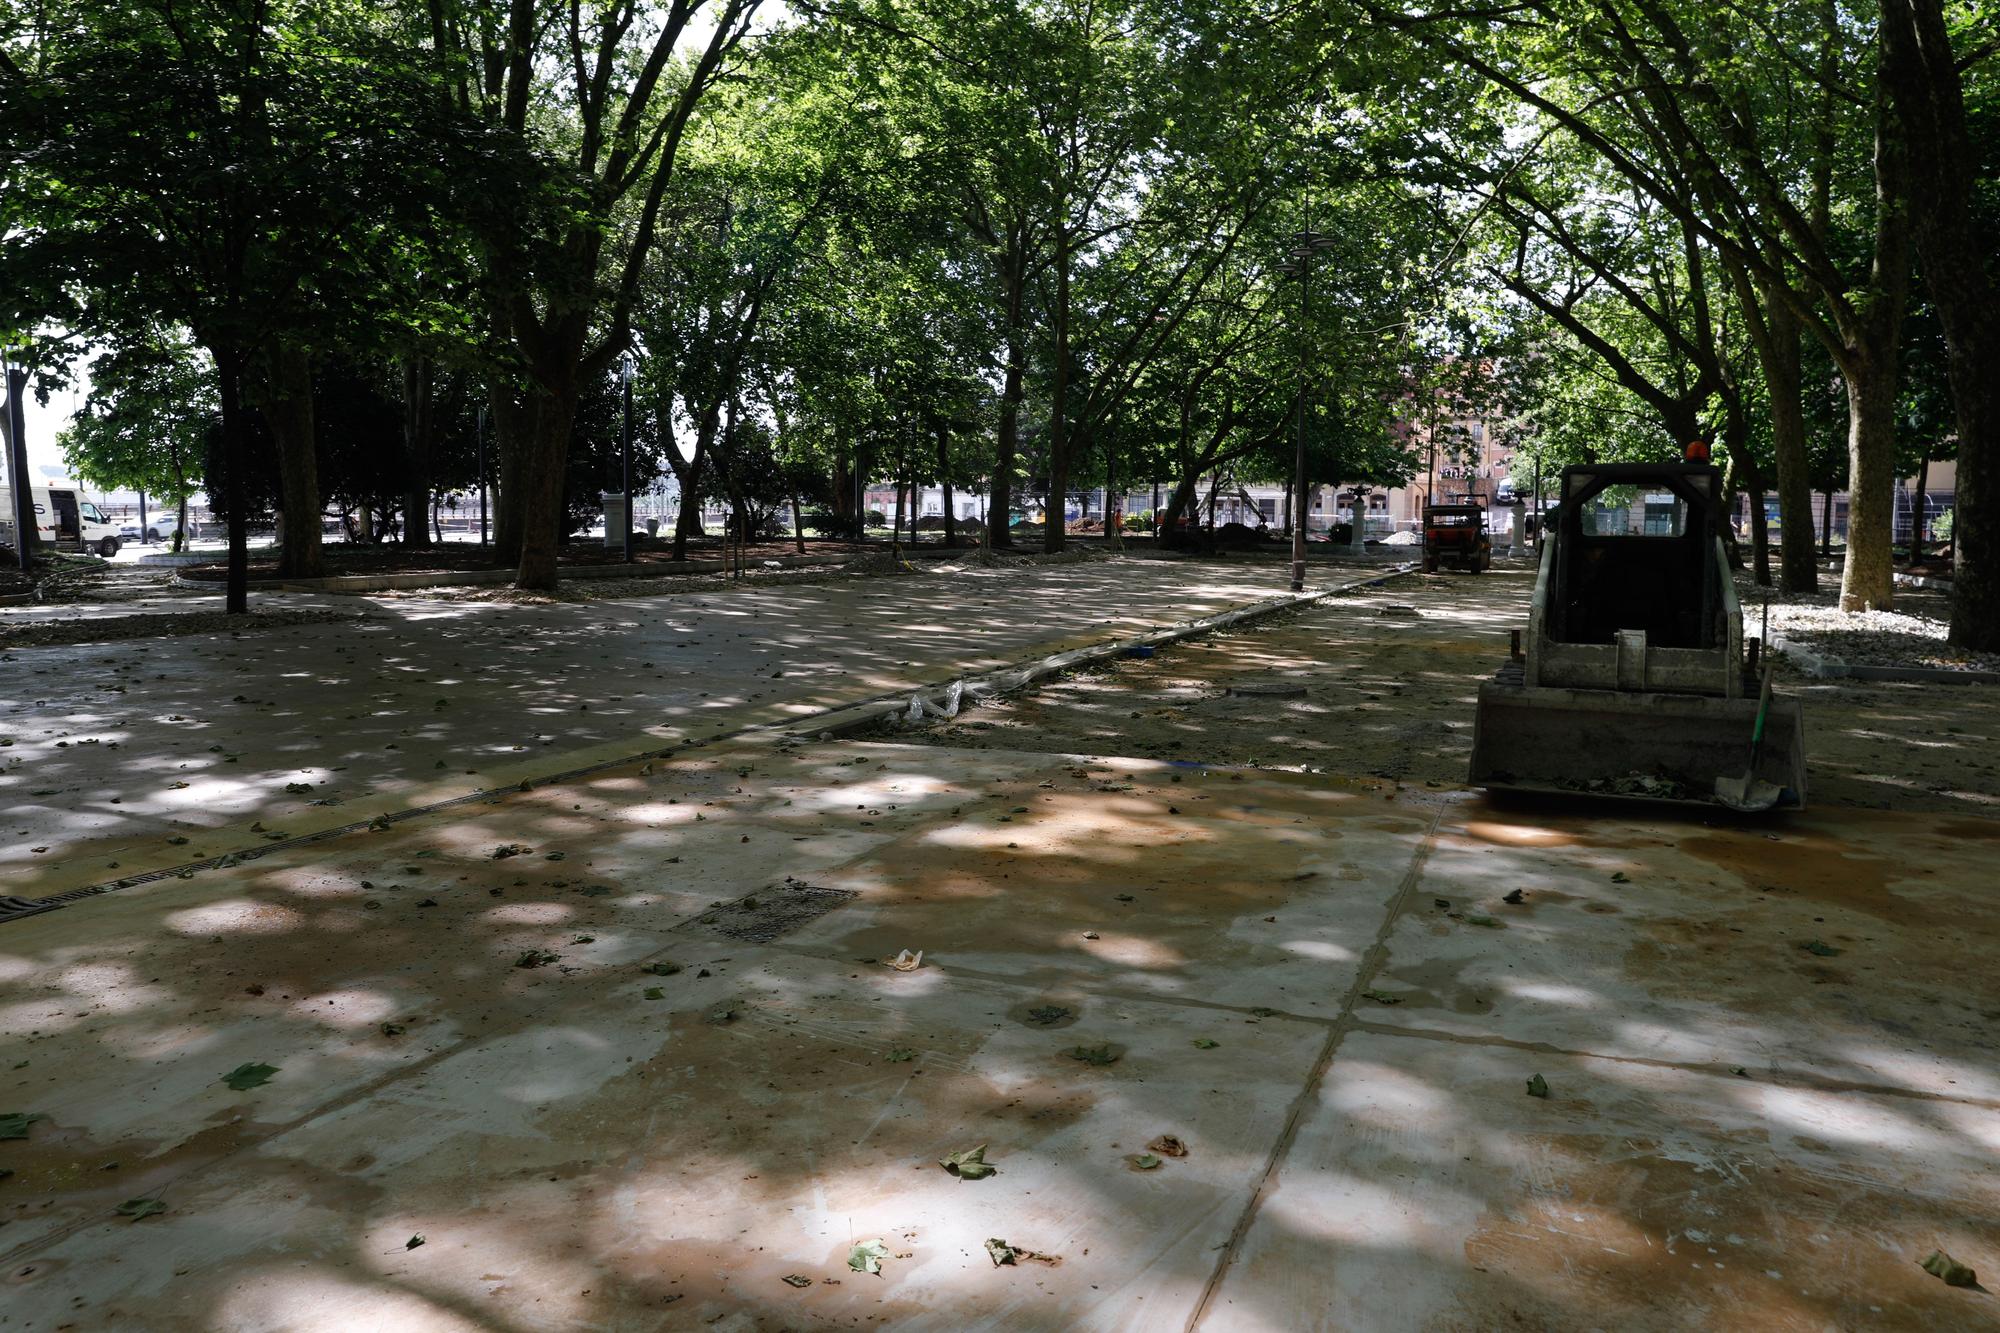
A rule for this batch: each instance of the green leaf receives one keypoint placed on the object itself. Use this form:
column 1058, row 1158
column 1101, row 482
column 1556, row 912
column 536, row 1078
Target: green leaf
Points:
column 999, row 1251
column 14, row 1124
column 1381, row 997
column 1819, row 948
column 1262, row 1012
column 1949, row 1270
column 970, row 1164
column 655, row 993
column 138, row 1208
column 1144, row 1161
column 663, row 969
column 1205, row 1043
column 901, row 1055
column 247, row 1076
column 1538, row 1086
column 414, row 1241
column 867, row 1257
column 1619, row 877
column 1093, row 1055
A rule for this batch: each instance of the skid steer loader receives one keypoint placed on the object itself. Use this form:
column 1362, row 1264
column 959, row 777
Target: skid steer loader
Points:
column 1634, row 682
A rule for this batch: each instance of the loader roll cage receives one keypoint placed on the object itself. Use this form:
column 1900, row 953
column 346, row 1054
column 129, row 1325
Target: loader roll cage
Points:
column 1664, row 584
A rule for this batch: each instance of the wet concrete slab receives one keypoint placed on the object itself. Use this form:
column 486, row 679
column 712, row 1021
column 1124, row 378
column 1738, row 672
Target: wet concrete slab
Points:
column 656, row 1124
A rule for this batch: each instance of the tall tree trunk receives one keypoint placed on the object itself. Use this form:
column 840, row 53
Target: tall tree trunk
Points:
column 544, row 461
column 1785, row 385
column 1826, row 526
column 229, row 387
column 1919, row 517
column 1867, row 579
column 1054, row 529
column 1000, row 505
column 286, row 401
column 1957, row 245
column 418, row 397
column 944, row 483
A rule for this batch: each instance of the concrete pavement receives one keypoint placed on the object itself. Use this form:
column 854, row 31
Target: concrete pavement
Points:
column 128, row 757
column 524, row 1035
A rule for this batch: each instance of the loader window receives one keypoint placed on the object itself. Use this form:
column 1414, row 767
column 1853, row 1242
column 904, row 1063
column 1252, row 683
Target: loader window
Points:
column 1652, row 576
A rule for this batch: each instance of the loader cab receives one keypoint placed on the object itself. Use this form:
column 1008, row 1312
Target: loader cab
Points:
column 1637, row 551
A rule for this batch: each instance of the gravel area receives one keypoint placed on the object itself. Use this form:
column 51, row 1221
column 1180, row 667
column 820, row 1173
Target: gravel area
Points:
column 154, row 624
column 1912, row 635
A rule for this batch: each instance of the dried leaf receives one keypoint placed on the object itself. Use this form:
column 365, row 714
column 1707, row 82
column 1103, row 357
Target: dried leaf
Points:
column 1000, row 1251
column 1949, row 1270
column 247, row 1076
column 1168, row 1146
column 1205, row 1044
column 138, row 1208
column 1538, row 1086
column 907, row 961
column 867, row 1257
column 970, row 1164
column 1381, row 997
column 14, row 1124
column 1819, row 949
column 1093, row 1055
column 655, row 993
column 796, row 1280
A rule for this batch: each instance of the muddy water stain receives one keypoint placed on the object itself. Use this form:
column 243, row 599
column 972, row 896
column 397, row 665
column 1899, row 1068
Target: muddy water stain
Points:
column 1811, row 864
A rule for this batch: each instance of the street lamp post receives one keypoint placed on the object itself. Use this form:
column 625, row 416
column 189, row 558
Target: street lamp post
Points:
column 479, row 436
column 1305, row 244
column 625, row 450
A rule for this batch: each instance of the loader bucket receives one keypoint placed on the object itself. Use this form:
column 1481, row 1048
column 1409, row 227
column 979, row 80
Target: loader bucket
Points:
column 1640, row 746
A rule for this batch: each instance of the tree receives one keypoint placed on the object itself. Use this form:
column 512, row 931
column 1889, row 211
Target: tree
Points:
column 146, row 423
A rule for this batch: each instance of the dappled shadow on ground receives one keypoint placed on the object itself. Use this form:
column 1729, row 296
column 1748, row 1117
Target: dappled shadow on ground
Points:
column 652, row 1125
column 117, row 750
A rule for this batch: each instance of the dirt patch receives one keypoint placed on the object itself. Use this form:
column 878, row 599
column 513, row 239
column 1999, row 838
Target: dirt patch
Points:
column 1339, row 688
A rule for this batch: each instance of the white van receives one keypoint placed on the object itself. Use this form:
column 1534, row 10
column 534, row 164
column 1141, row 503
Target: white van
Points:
column 64, row 521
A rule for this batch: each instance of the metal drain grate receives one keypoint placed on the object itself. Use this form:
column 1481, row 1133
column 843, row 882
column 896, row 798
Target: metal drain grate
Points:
column 761, row 917
column 12, row 909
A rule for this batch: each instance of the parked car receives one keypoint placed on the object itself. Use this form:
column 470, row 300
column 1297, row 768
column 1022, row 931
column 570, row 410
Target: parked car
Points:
column 159, row 527
column 64, row 520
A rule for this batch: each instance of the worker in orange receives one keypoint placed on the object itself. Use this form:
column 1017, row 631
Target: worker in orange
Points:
column 1696, row 452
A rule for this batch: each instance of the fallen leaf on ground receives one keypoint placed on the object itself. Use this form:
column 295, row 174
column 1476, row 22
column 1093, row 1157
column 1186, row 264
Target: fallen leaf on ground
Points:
column 1620, row 877
column 901, row 1056
column 1000, row 1251
column 1949, row 1270
column 1538, row 1086
column 970, row 1164
column 1143, row 1161
column 1261, row 1012
column 1514, row 896
column 414, row 1241
column 392, row 1029
column 796, row 1280
column 1047, row 1014
column 1819, row 948
column 138, row 1208
column 1093, row 1055
column 907, row 961
column 1205, row 1044
column 247, row 1076
column 663, row 969
column 14, row 1124
column 1381, row 997
column 1168, row 1146
column 536, row 958
column 867, row 1257
column 655, row 993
